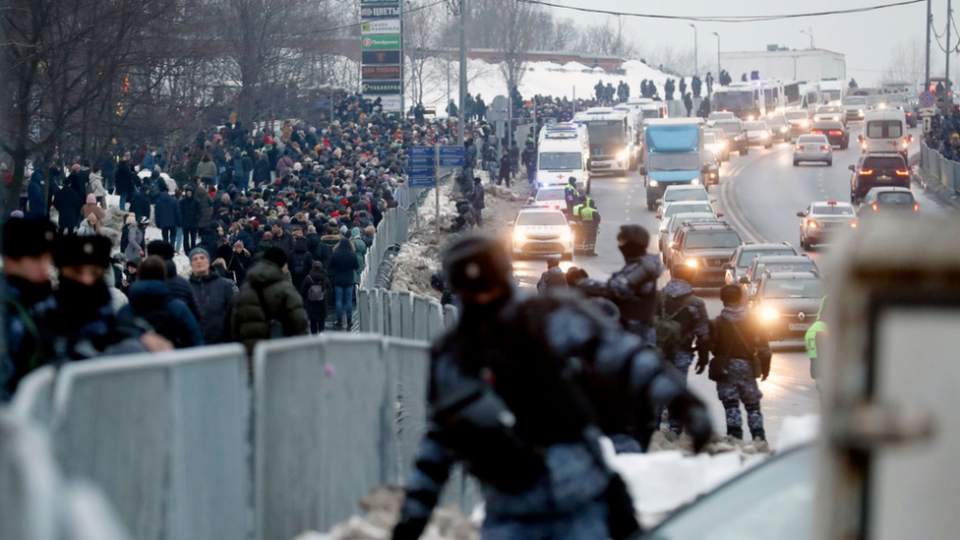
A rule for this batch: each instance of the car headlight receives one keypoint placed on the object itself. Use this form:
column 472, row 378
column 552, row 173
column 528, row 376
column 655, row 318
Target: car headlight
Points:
column 804, row 123
column 725, row 143
column 783, row 129
column 769, row 314
column 860, row 112
column 622, row 156
column 692, row 263
column 765, row 135
column 695, row 182
column 519, row 237
column 836, row 118
column 654, row 183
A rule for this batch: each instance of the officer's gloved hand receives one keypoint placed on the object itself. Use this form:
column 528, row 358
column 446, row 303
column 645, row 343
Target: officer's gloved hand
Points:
column 698, row 425
column 409, row 529
column 703, row 359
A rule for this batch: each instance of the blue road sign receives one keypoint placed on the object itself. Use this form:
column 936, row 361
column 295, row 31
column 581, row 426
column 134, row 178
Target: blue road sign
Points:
column 422, row 176
column 926, row 99
column 421, row 151
column 453, row 156
column 420, row 161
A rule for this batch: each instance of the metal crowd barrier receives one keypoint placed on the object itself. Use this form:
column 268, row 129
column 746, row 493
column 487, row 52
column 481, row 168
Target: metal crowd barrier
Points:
column 404, row 315
column 166, row 436
column 946, row 170
column 36, row 503
column 337, row 416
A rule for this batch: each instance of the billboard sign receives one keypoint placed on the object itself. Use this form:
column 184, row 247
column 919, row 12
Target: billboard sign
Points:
column 380, row 26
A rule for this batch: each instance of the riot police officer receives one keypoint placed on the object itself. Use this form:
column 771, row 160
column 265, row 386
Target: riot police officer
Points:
column 513, row 395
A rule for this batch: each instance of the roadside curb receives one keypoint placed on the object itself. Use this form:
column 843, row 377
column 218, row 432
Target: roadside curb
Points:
column 932, row 185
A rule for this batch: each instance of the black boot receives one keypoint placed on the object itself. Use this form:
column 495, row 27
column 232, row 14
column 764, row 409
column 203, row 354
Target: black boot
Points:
column 759, row 434
column 349, row 324
column 735, row 432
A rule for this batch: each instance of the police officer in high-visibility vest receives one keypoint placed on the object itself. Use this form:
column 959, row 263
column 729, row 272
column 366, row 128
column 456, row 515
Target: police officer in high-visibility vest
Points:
column 588, row 216
column 571, row 195
column 815, row 341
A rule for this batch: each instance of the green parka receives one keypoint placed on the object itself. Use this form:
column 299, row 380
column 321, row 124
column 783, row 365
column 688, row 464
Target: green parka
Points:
column 249, row 322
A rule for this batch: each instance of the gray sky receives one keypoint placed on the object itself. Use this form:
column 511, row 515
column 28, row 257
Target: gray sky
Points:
column 868, row 40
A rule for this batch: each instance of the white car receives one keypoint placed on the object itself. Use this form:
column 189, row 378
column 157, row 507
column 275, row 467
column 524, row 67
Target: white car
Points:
column 758, row 133
column 685, row 192
column 686, row 206
column 722, row 148
column 550, row 197
column 719, row 115
column 542, row 231
column 822, row 219
column 813, row 148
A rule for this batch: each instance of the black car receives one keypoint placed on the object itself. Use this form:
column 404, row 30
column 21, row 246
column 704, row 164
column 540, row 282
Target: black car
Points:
column 908, row 111
column 706, row 247
column 835, row 132
column 882, row 169
column 735, row 135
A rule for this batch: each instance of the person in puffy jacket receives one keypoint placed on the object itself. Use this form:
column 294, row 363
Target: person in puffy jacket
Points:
column 167, row 214
column 343, row 267
column 190, row 214
column 151, row 301
column 268, row 305
column 215, row 296
column 316, row 287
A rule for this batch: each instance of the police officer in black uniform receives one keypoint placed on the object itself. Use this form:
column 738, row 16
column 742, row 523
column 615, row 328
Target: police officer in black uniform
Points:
column 516, row 393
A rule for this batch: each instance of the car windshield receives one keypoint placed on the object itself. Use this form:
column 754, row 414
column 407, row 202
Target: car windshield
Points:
column 711, row 239
column 606, row 131
column 774, row 500
column 811, row 140
column 761, row 267
column 734, row 100
column 855, row 100
column 832, row 210
column 793, row 288
column 730, row 127
column 691, row 207
column 566, row 161
column 828, row 110
column 895, row 197
column 720, row 115
column 651, row 113
column 550, row 195
column 672, row 195
column 796, row 115
column 549, row 219
column 755, row 126
column 747, row 255
column 673, row 162
column 709, row 138
column 884, row 129
column 679, row 220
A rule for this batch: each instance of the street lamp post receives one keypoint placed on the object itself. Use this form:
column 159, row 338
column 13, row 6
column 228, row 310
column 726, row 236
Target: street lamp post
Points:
column 695, row 68
column 794, row 66
column 809, row 33
column 718, row 53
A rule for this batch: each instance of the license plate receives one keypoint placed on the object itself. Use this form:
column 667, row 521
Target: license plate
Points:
column 883, row 178
column 797, row 327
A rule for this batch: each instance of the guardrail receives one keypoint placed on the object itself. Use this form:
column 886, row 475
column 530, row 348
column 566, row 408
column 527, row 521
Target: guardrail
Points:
column 946, row 170
column 36, row 503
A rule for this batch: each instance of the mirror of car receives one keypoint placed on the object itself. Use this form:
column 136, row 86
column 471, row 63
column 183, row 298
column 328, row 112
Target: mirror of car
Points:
column 719, row 214
column 727, row 266
column 852, row 167
column 801, row 214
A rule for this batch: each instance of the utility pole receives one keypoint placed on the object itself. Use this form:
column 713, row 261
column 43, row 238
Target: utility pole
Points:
column 694, row 49
column 462, row 126
column 946, row 74
column 926, row 79
column 718, row 52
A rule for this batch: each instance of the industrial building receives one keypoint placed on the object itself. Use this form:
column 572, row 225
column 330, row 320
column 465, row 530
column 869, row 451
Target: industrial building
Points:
column 785, row 64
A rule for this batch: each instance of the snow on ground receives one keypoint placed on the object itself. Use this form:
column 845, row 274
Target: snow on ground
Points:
column 419, row 257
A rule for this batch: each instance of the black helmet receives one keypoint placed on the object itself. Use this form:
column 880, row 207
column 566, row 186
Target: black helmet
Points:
column 634, row 238
column 477, row 263
column 731, row 294
column 571, row 180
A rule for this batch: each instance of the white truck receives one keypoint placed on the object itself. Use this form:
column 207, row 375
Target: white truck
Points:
column 563, row 153
column 613, row 147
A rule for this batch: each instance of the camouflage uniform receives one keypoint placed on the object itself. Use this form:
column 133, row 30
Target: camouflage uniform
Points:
column 678, row 295
column 739, row 383
column 634, row 290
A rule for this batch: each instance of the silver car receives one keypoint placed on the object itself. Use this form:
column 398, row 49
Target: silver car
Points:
column 813, row 148
column 823, row 219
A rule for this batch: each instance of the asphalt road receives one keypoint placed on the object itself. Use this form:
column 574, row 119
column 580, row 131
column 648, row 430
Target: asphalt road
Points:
column 759, row 195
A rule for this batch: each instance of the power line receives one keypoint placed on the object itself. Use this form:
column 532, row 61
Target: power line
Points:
column 722, row 18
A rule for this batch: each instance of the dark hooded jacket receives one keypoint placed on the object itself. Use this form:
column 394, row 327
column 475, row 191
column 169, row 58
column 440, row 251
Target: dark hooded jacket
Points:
column 151, row 300
column 250, row 321
column 190, row 212
column 316, row 310
column 68, row 205
column 343, row 265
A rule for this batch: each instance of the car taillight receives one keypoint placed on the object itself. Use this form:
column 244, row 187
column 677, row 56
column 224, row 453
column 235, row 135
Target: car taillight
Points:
column 798, row 147
column 836, row 133
column 825, row 147
column 817, row 132
column 905, row 143
column 812, row 224
column 874, row 206
column 916, row 207
column 853, row 224
column 903, row 173
column 866, row 172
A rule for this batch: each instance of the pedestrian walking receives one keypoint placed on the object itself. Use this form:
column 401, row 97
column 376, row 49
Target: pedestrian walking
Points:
column 214, row 296
column 315, row 290
column 343, row 267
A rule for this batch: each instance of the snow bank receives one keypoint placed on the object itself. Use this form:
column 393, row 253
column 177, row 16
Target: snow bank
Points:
column 797, row 431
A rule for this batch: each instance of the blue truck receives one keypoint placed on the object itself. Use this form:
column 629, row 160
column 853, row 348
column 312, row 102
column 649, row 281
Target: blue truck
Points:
column 672, row 155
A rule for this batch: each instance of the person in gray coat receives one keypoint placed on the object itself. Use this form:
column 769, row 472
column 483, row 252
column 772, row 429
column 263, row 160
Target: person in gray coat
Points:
column 135, row 237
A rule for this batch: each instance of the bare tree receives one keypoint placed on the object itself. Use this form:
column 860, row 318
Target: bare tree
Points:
column 514, row 29
column 908, row 63
column 606, row 40
column 421, row 25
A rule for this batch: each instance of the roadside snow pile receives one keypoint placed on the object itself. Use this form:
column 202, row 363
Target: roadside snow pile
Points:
column 382, row 508
column 415, row 264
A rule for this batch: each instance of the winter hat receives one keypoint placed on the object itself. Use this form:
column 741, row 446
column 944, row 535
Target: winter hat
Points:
column 276, row 256
column 91, row 199
column 355, row 232
column 72, row 250
column 238, row 244
column 163, row 249
column 27, row 237
column 225, row 199
column 75, row 167
column 16, row 214
column 199, row 251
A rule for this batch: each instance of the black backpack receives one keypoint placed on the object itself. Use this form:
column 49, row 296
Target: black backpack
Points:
column 301, row 264
column 124, row 239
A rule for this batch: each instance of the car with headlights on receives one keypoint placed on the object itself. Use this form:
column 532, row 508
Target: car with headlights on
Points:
column 888, row 199
column 758, row 133
column 799, row 121
column 813, row 148
column 830, row 112
column 823, row 219
column 722, row 148
column 745, row 254
column 779, row 127
column 542, row 231
column 704, row 246
column 854, row 107
column 683, row 192
column 669, row 229
column 551, row 197
column 775, row 263
column 734, row 134
column 835, row 132
column 785, row 304
column 909, row 113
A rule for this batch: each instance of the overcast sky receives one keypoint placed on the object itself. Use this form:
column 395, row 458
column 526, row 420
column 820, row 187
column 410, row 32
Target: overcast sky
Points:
column 867, row 39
